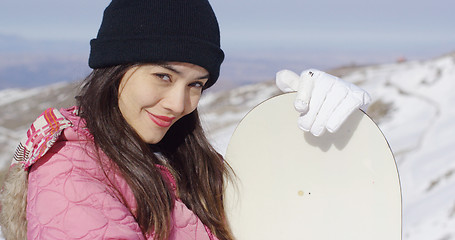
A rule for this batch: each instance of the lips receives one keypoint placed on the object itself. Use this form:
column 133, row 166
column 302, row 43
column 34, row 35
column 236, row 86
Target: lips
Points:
column 162, row 121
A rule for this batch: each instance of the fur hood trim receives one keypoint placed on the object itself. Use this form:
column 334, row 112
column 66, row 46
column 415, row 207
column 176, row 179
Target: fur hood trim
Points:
column 41, row 136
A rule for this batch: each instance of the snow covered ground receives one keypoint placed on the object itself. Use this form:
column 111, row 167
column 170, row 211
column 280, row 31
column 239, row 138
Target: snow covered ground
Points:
column 412, row 103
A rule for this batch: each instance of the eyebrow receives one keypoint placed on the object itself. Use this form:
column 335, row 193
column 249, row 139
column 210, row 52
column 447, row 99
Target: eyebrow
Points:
column 172, row 69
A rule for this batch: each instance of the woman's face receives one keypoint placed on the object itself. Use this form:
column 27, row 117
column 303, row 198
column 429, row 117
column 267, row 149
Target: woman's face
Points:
column 152, row 97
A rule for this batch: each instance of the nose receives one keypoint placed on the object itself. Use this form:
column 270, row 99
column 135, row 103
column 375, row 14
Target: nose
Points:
column 175, row 100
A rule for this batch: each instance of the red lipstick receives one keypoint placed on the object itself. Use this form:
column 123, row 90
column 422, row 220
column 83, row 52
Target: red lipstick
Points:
column 162, row 121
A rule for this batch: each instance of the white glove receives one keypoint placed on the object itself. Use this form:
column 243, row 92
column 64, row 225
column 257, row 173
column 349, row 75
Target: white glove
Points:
column 324, row 101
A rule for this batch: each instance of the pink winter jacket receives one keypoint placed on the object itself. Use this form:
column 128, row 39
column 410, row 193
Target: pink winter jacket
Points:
column 69, row 196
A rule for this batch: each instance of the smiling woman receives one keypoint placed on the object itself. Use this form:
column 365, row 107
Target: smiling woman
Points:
column 133, row 151
column 131, row 160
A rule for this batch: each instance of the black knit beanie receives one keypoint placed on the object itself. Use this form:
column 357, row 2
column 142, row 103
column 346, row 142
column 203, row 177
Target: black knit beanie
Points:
column 147, row 31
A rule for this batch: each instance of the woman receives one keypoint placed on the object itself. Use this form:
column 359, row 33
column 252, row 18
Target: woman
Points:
column 131, row 160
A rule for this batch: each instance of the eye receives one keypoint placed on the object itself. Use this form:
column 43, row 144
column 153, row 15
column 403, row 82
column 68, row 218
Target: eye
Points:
column 164, row 76
column 198, row 84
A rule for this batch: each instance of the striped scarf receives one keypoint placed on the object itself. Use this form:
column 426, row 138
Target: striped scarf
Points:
column 40, row 137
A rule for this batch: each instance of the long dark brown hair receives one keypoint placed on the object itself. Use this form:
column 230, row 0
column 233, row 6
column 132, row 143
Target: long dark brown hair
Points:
column 198, row 169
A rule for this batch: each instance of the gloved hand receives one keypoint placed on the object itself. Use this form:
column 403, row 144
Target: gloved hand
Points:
column 324, row 101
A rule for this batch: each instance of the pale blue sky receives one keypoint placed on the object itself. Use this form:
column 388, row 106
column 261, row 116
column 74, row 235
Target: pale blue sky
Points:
column 368, row 30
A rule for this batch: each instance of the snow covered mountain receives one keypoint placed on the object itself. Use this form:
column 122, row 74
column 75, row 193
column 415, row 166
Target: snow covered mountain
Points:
column 411, row 103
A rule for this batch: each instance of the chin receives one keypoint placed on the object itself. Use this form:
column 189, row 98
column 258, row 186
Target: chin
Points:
column 152, row 139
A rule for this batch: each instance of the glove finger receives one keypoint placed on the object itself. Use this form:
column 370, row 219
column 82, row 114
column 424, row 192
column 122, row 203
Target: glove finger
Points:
column 343, row 111
column 287, row 81
column 322, row 85
column 334, row 98
column 363, row 96
column 304, row 92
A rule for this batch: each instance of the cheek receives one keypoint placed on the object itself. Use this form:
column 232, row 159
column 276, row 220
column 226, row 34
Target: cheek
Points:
column 123, row 104
column 136, row 100
column 126, row 104
column 126, row 110
column 130, row 105
column 193, row 103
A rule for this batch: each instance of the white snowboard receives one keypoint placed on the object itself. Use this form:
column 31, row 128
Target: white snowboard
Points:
column 292, row 185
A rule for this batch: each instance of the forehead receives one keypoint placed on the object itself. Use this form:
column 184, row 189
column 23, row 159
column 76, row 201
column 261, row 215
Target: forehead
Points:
column 182, row 69
column 183, row 66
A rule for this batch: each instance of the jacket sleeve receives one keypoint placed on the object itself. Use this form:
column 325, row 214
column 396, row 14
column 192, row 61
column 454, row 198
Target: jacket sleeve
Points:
column 68, row 199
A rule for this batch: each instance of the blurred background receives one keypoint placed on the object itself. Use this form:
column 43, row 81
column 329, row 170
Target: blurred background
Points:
column 401, row 51
column 48, row 41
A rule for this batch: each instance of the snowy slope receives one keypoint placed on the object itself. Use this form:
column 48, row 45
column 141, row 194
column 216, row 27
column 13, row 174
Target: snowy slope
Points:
column 422, row 134
column 412, row 105
column 19, row 107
